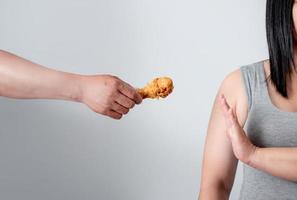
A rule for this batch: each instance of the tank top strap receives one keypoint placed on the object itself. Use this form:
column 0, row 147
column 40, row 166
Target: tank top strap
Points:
column 255, row 82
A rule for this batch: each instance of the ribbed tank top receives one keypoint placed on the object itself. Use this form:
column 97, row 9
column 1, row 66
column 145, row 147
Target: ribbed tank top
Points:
column 266, row 126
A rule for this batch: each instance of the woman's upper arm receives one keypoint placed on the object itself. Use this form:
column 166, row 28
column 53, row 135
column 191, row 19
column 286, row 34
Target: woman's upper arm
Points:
column 219, row 163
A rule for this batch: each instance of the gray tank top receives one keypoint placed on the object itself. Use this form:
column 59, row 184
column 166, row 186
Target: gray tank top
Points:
column 266, row 126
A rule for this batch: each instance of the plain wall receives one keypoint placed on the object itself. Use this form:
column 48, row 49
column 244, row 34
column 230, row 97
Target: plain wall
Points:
column 53, row 150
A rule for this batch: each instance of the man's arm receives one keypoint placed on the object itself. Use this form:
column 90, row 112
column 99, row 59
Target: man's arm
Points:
column 104, row 94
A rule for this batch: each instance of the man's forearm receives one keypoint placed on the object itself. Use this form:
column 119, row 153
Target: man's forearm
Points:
column 280, row 162
column 20, row 78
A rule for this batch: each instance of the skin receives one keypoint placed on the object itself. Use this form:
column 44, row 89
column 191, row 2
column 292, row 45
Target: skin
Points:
column 104, row 94
column 219, row 162
column 226, row 141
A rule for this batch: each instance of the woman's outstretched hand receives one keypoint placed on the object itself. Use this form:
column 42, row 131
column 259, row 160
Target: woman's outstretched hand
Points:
column 243, row 149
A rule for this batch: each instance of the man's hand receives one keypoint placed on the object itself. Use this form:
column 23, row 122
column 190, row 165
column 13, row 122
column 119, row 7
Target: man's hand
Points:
column 105, row 94
column 243, row 149
column 108, row 95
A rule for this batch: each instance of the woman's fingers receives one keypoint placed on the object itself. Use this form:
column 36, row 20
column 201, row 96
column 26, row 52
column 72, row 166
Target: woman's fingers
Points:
column 241, row 144
column 225, row 105
column 227, row 111
column 232, row 116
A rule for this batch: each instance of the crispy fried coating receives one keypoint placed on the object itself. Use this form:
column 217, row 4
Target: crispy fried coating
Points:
column 159, row 87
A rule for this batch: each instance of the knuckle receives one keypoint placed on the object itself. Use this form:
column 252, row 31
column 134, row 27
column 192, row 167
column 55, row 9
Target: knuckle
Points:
column 115, row 82
column 120, row 86
column 135, row 95
column 112, row 82
column 126, row 111
column 119, row 116
column 132, row 104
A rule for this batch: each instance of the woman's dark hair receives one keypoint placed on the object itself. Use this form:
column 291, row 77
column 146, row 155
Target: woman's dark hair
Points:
column 280, row 39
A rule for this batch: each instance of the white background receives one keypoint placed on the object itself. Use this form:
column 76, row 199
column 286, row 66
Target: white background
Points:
column 54, row 150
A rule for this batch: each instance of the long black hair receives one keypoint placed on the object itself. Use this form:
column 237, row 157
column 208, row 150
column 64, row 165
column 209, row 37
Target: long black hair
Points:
column 280, row 39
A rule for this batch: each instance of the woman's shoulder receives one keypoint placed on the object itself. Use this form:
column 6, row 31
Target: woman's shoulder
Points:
column 234, row 88
column 234, row 81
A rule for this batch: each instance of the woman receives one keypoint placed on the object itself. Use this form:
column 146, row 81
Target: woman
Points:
column 262, row 98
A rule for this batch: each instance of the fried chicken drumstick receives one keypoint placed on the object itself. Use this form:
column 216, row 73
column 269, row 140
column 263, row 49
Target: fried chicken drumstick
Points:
column 159, row 87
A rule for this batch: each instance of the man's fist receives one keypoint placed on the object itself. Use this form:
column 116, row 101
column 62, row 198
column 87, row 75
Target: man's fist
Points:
column 108, row 95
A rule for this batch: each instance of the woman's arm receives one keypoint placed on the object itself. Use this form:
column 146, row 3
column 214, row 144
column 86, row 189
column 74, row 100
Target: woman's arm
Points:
column 104, row 94
column 219, row 163
column 280, row 162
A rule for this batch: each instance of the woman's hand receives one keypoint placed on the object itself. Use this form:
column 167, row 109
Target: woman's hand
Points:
column 243, row 149
column 108, row 95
